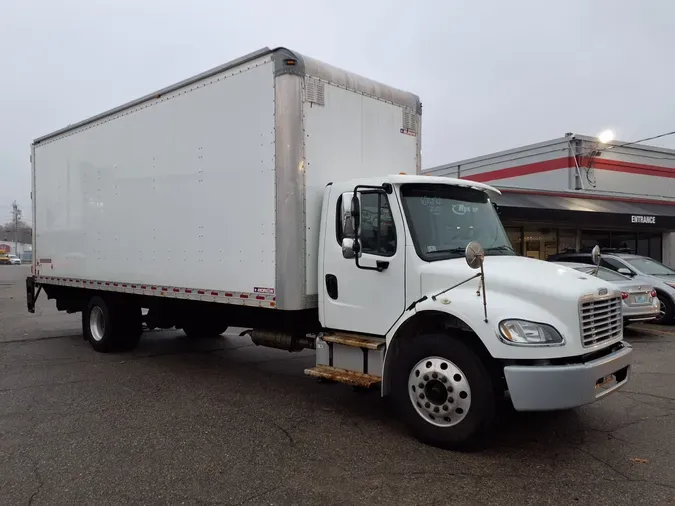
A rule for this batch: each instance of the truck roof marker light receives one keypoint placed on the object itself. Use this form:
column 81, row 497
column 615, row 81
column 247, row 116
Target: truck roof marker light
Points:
column 260, row 297
column 176, row 290
column 201, row 292
column 243, row 296
column 402, row 174
column 290, row 62
column 187, row 290
column 214, row 293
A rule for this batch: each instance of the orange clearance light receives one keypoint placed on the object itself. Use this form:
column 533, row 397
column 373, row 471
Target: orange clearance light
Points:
column 402, row 174
column 289, row 61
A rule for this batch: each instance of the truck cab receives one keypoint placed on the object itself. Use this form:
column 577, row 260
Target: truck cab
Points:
column 423, row 265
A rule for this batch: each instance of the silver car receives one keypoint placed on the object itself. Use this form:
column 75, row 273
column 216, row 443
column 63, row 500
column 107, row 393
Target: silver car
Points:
column 640, row 302
column 660, row 276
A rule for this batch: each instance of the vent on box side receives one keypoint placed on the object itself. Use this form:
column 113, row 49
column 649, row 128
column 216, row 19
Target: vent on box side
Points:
column 409, row 122
column 315, row 91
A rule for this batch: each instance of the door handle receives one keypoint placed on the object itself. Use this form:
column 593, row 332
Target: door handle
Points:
column 381, row 265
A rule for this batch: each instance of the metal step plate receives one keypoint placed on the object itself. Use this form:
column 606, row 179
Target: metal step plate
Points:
column 352, row 378
column 355, row 341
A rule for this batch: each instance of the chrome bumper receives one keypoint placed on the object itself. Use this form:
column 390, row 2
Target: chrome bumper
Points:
column 552, row 387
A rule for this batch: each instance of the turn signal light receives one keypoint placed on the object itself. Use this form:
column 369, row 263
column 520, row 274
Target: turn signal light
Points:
column 652, row 294
column 624, row 295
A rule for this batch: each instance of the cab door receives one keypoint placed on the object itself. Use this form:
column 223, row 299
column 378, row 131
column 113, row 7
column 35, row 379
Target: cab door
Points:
column 369, row 297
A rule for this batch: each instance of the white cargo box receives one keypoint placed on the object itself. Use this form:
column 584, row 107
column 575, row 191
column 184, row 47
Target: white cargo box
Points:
column 234, row 162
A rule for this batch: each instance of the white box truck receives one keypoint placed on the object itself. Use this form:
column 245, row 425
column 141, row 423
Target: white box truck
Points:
column 275, row 171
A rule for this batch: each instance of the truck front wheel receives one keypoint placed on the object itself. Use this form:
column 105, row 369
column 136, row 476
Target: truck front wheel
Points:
column 444, row 392
column 110, row 326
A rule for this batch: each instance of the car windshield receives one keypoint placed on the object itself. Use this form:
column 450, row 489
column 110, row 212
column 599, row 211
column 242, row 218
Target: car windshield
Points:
column 650, row 266
column 443, row 219
column 604, row 273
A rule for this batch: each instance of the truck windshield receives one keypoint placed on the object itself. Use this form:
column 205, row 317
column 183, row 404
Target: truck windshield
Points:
column 443, row 219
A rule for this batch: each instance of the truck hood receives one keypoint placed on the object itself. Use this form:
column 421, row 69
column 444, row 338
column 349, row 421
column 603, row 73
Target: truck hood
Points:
column 525, row 278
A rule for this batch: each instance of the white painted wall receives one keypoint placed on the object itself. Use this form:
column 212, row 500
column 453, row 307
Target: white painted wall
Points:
column 669, row 249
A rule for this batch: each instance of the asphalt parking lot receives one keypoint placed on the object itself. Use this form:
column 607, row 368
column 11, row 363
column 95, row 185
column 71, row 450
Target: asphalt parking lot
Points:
column 219, row 421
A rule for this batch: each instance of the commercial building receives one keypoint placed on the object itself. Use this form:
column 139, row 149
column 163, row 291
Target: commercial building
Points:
column 571, row 193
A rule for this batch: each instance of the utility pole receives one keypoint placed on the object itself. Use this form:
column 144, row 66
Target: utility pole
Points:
column 16, row 217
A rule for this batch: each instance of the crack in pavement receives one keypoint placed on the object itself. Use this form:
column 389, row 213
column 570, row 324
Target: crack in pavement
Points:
column 38, row 477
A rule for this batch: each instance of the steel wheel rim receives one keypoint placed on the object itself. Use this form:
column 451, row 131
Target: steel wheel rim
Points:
column 96, row 323
column 439, row 391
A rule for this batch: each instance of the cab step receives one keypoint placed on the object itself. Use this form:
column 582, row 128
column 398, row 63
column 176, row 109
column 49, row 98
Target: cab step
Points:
column 350, row 352
column 355, row 341
column 355, row 379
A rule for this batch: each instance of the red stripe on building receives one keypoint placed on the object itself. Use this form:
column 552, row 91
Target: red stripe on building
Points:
column 521, row 170
column 567, row 162
column 587, row 196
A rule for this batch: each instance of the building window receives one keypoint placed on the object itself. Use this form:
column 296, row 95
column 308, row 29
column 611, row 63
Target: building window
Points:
column 516, row 238
column 624, row 240
column 540, row 242
column 589, row 238
column 656, row 247
column 567, row 241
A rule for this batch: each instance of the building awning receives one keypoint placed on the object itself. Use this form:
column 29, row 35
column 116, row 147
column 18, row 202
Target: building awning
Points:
column 585, row 212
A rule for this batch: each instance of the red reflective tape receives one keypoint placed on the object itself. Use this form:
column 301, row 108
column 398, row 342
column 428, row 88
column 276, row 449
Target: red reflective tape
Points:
column 214, row 293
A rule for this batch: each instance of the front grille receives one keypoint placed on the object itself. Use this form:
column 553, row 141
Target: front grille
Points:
column 601, row 320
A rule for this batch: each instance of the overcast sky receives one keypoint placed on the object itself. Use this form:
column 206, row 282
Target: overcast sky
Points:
column 491, row 74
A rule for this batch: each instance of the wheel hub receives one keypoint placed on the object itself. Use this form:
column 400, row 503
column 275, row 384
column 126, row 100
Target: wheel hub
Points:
column 439, row 391
column 97, row 323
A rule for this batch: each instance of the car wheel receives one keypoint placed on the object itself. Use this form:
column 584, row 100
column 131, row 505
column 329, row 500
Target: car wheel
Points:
column 444, row 392
column 666, row 310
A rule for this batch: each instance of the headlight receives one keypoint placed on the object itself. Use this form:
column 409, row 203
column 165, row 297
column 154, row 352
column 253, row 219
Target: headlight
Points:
column 524, row 332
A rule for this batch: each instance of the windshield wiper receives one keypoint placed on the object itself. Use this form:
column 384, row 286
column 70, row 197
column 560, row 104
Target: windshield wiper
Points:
column 449, row 250
column 501, row 248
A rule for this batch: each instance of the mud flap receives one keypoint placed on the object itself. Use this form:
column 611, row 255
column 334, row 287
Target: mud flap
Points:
column 31, row 294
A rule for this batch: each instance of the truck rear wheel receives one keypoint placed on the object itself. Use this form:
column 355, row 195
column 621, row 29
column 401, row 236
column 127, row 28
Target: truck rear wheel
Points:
column 110, row 326
column 444, row 392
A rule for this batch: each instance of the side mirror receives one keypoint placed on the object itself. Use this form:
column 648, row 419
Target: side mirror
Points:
column 356, row 213
column 595, row 255
column 346, row 218
column 624, row 271
column 350, row 248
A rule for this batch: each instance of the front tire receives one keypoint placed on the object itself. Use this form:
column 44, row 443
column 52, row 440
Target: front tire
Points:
column 444, row 392
column 111, row 327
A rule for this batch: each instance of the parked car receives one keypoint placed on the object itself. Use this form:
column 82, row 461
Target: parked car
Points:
column 14, row 260
column 4, row 259
column 640, row 302
column 660, row 276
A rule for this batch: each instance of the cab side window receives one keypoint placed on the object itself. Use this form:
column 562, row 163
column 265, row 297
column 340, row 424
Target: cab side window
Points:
column 378, row 232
